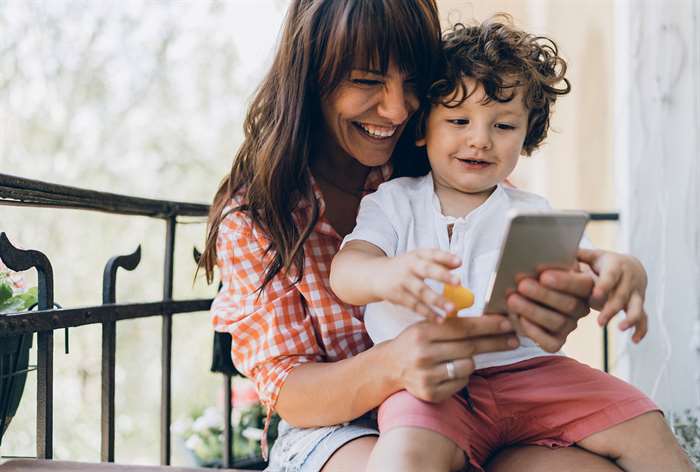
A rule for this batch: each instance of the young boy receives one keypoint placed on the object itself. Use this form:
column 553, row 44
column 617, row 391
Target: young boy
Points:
column 491, row 105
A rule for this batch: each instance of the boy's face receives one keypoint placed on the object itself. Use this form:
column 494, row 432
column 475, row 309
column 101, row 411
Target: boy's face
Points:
column 474, row 146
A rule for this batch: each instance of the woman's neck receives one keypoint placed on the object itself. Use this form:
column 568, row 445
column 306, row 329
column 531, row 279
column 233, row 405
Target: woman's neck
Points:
column 339, row 169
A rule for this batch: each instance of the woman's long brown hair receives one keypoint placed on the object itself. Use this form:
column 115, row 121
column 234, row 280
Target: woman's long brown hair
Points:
column 321, row 42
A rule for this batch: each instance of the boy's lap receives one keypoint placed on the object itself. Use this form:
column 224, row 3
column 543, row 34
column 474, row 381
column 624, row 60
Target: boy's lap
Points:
column 644, row 435
column 552, row 401
column 545, row 459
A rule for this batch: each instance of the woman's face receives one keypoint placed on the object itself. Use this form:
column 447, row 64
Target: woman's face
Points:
column 366, row 114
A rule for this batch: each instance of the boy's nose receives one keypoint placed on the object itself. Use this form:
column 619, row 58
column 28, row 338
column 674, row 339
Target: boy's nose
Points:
column 479, row 137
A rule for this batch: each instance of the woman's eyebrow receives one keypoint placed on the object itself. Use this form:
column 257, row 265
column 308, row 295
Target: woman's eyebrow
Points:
column 368, row 71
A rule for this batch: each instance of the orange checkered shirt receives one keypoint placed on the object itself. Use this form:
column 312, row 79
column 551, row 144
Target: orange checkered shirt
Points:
column 287, row 324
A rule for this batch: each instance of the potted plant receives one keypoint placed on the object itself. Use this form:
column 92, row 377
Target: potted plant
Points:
column 202, row 432
column 687, row 430
column 14, row 349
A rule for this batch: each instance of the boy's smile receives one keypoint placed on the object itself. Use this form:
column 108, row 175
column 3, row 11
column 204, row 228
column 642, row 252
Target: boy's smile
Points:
column 475, row 145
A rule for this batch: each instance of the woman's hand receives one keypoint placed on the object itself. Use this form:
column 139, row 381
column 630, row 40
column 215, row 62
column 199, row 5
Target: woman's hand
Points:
column 403, row 281
column 621, row 284
column 549, row 308
column 418, row 357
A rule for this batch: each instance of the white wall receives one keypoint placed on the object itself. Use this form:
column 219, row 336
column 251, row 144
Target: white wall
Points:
column 657, row 125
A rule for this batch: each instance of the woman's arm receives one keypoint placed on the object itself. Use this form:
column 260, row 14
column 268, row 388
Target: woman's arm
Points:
column 318, row 394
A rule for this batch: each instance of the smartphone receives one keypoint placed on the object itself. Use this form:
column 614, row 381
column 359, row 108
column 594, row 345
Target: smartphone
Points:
column 535, row 241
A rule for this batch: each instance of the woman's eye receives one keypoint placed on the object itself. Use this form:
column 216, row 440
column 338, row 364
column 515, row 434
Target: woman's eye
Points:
column 504, row 126
column 366, row 82
column 459, row 121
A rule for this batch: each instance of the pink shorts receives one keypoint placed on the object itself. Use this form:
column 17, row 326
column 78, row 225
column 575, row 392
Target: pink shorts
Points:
column 549, row 401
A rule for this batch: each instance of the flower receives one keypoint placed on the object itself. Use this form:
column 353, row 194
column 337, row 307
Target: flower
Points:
column 14, row 295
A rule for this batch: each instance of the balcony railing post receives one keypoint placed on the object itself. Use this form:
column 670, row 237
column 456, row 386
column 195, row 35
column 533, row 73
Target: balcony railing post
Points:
column 167, row 339
column 109, row 349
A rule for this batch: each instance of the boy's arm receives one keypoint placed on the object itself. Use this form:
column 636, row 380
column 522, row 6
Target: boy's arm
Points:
column 361, row 273
column 354, row 271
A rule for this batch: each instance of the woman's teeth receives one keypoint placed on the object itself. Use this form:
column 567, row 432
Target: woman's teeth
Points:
column 376, row 131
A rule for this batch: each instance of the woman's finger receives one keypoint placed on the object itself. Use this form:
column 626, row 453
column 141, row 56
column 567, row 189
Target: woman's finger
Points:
column 577, row 284
column 558, row 301
column 547, row 341
column 461, row 370
column 462, row 329
column 542, row 316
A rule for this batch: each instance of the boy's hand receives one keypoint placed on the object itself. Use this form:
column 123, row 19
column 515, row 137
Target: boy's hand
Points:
column 620, row 285
column 403, row 283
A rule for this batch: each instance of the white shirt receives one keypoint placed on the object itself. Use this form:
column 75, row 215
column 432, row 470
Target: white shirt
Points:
column 405, row 214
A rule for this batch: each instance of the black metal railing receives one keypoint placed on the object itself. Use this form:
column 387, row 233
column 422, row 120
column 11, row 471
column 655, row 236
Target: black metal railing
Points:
column 18, row 191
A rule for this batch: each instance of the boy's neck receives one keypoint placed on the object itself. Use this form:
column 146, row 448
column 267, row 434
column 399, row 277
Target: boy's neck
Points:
column 458, row 204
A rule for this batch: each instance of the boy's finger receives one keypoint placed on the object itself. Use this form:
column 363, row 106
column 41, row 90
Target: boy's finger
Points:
column 420, row 293
column 424, row 310
column 426, row 269
column 607, row 282
column 633, row 312
column 431, row 298
column 641, row 329
column 589, row 256
column 612, row 307
column 442, row 257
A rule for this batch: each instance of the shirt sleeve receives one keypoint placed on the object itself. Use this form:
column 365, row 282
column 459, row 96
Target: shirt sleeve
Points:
column 374, row 223
column 271, row 330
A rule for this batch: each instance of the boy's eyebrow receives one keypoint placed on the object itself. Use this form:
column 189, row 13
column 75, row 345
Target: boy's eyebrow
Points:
column 511, row 112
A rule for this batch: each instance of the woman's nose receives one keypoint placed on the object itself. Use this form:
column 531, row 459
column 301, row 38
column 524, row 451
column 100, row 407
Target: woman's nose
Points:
column 396, row 104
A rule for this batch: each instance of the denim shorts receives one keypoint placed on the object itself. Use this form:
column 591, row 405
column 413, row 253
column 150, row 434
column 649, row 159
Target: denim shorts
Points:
column 308, row 449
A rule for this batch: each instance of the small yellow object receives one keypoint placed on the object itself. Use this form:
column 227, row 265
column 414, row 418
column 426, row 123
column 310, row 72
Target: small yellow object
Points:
column 462, row 297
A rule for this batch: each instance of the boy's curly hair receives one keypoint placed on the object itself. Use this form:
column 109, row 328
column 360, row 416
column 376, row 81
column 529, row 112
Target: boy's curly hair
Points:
column 500, row 58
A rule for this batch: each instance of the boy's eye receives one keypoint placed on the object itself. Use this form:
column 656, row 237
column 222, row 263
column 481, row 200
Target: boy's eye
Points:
column 504, row 126
column 459, row 121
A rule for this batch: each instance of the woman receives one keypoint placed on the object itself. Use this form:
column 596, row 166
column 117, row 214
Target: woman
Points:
column 331, row 121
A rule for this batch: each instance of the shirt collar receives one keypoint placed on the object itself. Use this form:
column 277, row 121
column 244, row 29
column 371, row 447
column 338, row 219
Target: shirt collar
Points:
column 491, row 202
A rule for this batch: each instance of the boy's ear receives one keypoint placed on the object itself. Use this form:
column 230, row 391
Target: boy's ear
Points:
column 420, row 142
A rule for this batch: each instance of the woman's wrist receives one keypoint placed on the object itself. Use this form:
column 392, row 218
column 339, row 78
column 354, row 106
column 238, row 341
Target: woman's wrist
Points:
column 388, row 366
